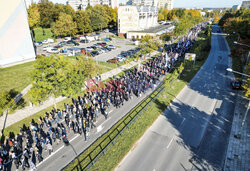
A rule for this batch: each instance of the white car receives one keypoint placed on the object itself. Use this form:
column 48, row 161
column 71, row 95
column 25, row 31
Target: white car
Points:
column 45, row 48
column 67, row 39
column 89, row 49
column 53, row 50
column 48, row 41
column 111, row 47
column 120, row 59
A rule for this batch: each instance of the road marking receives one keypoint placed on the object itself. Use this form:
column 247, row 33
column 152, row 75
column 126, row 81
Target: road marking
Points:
column 49, row 156
column 110, row 111
column 170, row 142
column 99, row 128
column 55, row 152
column 74, row 138
column 182, row 122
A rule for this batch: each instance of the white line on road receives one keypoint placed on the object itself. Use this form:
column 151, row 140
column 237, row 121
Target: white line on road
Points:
column 170, row 142
column 55, row 152
column 99, row 128
column 182, row 122
column 110, row 111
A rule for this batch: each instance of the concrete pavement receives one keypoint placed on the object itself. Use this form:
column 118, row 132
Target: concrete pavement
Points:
column 196, row 125
column 238, row 151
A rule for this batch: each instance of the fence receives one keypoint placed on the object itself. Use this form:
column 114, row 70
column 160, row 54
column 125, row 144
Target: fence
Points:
column 113, row 133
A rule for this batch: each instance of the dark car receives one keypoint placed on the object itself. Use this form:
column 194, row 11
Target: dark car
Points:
column 84, row 41
column 236, row 85
column 94, row 53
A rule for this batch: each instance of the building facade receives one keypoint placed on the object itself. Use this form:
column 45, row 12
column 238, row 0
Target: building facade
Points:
column 82, row 4
column 168, row 4
column 16, row 45
column 136, row 18
column 143, row 3
column 245, row 4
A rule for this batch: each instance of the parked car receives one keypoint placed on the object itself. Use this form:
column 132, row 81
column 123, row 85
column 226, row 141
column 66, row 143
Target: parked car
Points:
column 93, row 47
column 84, row 41
column 94, row 53
column 106, row 39
column 113, row 60
column 97, row 45
column 58, row 46
column 236, row 84
column 111, row 47
column 67, row 39
column 39, row 43
column 89, row 49
column 46, row 47
column 102, row 44
column 53, row 50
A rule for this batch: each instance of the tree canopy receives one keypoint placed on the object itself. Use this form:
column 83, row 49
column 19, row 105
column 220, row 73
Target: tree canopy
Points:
column 45, row 14
column 56, row 75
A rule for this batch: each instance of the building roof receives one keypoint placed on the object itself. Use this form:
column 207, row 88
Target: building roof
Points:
column 156, row 30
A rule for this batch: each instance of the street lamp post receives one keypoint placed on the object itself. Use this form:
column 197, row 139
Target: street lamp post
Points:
column 235, row 42
column 230, row 70
column 245, row 115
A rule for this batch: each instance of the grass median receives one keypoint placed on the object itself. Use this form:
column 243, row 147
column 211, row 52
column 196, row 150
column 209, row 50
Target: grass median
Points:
column 123, row 144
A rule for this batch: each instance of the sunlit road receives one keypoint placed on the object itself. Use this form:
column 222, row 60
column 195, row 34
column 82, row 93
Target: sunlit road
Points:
column 197, row 123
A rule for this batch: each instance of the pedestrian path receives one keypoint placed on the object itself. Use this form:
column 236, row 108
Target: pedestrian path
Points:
column 237, row 157
column 30, row 110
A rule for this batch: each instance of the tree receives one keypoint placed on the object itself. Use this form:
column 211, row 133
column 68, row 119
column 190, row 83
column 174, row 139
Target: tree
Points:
column 33, row 16
column 246, row 85
column 216, row 19
column 46, row 13
column 83, row 22
column 98, row 17
column 55, row 76
column 51, row 77
column 64, row 26
column 160, row 17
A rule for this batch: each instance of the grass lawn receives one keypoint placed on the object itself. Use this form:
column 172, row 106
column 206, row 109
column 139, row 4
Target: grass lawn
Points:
column 16, row 77
column 123, row 144
column 42, row 34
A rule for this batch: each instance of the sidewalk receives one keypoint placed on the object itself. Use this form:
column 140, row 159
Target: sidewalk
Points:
column 30, row 110
column 237, row 156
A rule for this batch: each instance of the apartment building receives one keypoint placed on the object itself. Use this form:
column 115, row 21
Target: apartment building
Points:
column 82, row 4
column 136, row 18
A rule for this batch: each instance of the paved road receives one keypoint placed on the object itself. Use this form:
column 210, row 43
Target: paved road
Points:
column 197, row 123
column 62, row 155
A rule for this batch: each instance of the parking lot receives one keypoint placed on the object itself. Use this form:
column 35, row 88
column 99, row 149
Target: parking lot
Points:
column 120, row 44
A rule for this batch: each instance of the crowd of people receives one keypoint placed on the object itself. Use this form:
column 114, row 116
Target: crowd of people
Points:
column 27, row 148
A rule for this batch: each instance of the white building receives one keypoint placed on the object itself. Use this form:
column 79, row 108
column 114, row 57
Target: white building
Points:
column 82, row 4
column 16, row 45
column 144, row 2
column 236, row 7
column 245, row 4
column 136, row 18
column 168, row 4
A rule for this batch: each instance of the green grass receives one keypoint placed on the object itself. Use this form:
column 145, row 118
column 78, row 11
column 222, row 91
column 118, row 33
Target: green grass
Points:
column 43, row 34
column 123, row 144
column 16, row 77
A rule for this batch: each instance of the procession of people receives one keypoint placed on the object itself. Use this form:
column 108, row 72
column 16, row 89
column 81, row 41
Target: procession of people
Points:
column 26, row 149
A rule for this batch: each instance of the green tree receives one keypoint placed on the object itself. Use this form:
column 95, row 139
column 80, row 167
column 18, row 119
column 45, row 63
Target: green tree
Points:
column 64, row 26
column 160, row 17
column 46, row 10
column 83, row 22
column 98, row 17
column 33, row 16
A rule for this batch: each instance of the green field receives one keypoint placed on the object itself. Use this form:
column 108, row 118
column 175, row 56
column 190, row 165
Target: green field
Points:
column 42, row 34
column 16, row 77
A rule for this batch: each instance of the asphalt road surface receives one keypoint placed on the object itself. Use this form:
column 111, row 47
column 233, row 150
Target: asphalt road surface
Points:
column 196, row 125
column 62, row 154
